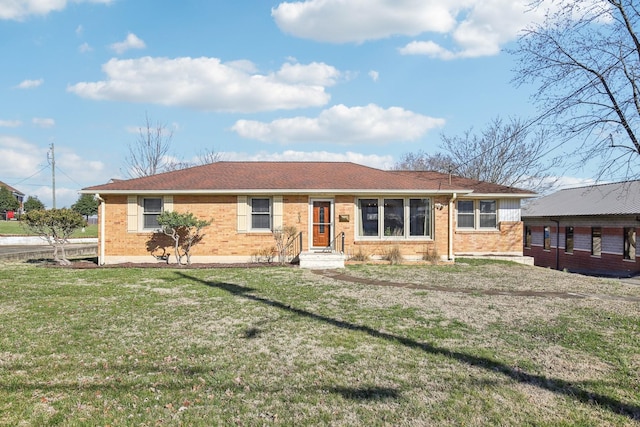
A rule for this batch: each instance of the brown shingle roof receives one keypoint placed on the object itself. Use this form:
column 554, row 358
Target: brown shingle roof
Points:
column 282, row 177
column 10, row 188
column 478, row 187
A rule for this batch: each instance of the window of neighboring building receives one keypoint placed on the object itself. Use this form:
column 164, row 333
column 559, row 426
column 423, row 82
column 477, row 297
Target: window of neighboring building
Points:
column 466, row 214
column 630, row 243
column 547, row 238
column 527, row 237
column 394, row 218
column 568, row 240
column 596, row 241
column 488, row 214
column 151, row 208
column 260, row 214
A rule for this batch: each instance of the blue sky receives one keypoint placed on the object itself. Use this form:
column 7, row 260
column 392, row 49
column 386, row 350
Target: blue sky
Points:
column 349, row 80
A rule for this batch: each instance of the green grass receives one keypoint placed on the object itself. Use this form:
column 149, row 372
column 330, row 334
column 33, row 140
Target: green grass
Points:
column 16, row 228
column 283, row 346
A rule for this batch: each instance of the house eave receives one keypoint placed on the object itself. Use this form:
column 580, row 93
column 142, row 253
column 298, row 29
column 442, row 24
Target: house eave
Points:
column 262, row 191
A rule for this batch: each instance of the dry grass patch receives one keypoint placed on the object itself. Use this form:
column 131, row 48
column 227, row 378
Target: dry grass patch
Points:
column 285, row 346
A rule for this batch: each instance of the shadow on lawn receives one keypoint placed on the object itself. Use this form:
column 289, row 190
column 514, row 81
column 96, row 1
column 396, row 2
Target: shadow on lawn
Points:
column 554, row 385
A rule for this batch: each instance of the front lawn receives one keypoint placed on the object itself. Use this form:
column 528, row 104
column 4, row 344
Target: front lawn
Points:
column 285, row 346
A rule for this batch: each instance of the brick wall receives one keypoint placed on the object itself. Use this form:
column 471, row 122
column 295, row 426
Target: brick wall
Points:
column 610, row 262
column 222, row 239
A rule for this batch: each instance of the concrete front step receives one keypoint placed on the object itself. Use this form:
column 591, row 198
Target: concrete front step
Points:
column 321, row 260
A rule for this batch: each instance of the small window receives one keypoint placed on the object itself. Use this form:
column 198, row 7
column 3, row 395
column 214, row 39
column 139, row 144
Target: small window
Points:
column 527, row 237
column 596, row 241
column 568, row 240
column 260, row 214
column 466, row 214
column 152, row 207
column 630, row 243
column 547, row 238
column 488, row 214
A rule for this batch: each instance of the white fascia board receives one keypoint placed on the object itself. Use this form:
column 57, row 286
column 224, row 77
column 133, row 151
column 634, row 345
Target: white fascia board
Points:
column 498, row 196
column 270, row 192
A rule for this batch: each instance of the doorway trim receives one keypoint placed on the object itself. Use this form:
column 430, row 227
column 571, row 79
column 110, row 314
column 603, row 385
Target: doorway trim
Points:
column 330, row 223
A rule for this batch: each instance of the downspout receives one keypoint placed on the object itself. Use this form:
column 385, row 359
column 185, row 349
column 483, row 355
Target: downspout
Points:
column 451, row 228
column 103, row 207
column 557, row 221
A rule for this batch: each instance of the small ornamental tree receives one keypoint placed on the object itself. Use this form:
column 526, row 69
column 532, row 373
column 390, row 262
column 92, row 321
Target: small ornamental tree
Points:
column 86, row 205
column 55, row 226
column 33, row 204
column 185, row 230
column 283, row 237
column 7, row 201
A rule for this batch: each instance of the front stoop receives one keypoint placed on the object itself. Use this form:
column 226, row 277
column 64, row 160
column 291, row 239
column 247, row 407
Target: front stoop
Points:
column 321, row 260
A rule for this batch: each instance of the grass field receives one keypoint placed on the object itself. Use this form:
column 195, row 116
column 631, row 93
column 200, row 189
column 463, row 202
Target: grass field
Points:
column 15, row 228
column 285, row 346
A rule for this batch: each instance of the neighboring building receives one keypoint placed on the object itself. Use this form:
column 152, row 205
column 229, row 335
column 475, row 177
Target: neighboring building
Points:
column 370, row 210
column 17, row 194
column 588, row 230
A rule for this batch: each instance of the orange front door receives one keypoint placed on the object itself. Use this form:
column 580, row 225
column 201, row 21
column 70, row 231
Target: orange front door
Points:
column 321, row 224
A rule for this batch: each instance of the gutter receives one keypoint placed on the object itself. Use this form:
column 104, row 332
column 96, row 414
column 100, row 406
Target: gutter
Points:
column 451, row 205
column 103, row 206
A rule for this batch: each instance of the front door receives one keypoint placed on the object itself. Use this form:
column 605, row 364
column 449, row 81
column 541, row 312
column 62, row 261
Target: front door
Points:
column 321, row 224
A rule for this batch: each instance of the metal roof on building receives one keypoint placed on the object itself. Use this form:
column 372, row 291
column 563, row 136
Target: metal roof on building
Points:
column 621, row 198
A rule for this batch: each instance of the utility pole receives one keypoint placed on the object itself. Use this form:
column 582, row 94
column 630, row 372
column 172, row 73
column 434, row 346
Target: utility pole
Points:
column 52, row 159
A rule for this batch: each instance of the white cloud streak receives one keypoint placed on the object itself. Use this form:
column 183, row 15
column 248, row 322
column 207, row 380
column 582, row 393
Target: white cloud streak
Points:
column 208, row 84
column 343, row 125
column 30, row 84
column 131, row 42
column 10, row 123
column 19, row 10
column 43, row 122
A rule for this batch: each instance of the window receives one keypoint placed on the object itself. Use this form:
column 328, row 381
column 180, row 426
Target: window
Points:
column 466, row 214
column 477, row 214
column 527, row 237
column 568, row 240
column 368, row 217
column 546, row 244
column 394, row 218
column 152, row 207
column 596, row 241
column 488, row 214
column 630, row 243
column 419, row 217
column 260, row 214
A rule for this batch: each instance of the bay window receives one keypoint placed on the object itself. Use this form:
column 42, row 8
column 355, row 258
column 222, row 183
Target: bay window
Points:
column 394, row 218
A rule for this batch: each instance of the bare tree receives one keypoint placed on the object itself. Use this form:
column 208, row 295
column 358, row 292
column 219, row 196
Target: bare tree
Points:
column 208, row 155
column 148, row 155
column 503, row 153
column 585, row 59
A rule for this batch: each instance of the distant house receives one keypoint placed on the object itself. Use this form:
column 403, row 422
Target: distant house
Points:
column 17, row 194
column 339, row 209
column 588, row 229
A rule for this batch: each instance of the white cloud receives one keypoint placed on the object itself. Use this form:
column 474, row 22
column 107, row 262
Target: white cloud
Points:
column 343, row 125
column 43, row 122
column 84, row 48
column 211, row 85
column 340, row 21
column 372, row 160
column 131, row 42
column 25, row 165
column 473, row 28
column 79, row 30
column 18, row 10
column 30, row 84
column 374, row 75
column 10, row 123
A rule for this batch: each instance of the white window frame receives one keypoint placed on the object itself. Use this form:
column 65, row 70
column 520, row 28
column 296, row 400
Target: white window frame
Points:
column 477, row 214
column 145, row 214
column 380, row 218
column 252, row 213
